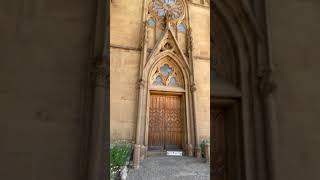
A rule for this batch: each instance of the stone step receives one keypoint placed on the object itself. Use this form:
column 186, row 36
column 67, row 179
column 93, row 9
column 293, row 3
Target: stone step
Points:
column 156, row 153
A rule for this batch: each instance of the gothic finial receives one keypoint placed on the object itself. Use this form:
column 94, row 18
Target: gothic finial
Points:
column 167, row 19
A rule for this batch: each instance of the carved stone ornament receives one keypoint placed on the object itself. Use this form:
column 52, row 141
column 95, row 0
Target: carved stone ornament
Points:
column 141, row 83
column 168, row 44
column 193, row 87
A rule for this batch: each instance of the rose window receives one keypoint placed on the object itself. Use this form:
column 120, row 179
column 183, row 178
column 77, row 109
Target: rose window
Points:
column 172, row 8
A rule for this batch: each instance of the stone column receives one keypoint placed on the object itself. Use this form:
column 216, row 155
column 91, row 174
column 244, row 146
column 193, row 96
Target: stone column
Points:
column 207, row 153
column 137, row 151
column 196, row 143
column 136, row 156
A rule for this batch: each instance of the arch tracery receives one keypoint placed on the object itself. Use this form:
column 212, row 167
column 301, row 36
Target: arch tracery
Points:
column 166, row 73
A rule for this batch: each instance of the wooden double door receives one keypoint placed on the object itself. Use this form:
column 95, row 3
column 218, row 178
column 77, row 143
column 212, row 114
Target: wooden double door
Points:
column 165, row 122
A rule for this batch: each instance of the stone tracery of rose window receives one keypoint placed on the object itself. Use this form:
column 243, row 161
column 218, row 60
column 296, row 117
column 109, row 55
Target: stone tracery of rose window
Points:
column 167, row 74
column 173, row 9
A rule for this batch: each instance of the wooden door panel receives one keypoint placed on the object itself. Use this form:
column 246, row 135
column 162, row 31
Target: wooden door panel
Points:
column 165, row 124
column 219, row 144
column 173, row 124
column 156, row 124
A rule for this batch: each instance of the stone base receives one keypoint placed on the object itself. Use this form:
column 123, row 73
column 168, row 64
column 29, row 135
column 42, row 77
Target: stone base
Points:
column 136, row 156
column 207, row 153
column 197, row 152
column 190, row 150
column 142, row 152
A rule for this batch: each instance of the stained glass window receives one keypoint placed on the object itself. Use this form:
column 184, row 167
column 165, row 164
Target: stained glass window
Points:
column 165, row 75
column 151, row 22
column 173, row 82
column 158, row 81
column 166, row 70
column 181, row 28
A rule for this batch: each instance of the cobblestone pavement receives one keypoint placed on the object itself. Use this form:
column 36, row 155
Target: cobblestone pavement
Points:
column 171, row 168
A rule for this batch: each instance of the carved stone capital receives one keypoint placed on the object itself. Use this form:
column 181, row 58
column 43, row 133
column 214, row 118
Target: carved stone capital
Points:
column 141, row 83
column 193, row 87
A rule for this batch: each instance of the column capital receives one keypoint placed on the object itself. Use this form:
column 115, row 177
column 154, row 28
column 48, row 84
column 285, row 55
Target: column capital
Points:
column 141, row 83
column 193, row 87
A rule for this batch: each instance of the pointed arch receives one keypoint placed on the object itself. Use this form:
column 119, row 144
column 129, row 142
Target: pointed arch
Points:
column 176, row 70
column 184, row 68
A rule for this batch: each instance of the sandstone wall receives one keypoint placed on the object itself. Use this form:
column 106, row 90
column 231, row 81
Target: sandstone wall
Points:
column 200, row 24
column 125, row 38
column 124, row 69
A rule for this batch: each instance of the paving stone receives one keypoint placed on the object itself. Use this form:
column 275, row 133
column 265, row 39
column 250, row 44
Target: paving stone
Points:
column 171, row 168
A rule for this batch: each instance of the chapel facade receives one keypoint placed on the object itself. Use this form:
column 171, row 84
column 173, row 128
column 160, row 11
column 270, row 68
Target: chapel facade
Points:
column 160, row 74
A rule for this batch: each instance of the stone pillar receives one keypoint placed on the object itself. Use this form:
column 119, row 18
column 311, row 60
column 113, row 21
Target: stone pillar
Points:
column 197, row 152
column 207, row 153
column 136, row 156
column 195, row 126
column 190, row 150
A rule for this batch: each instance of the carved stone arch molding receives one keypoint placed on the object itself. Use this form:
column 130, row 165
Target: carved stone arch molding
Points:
column 248, row 100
